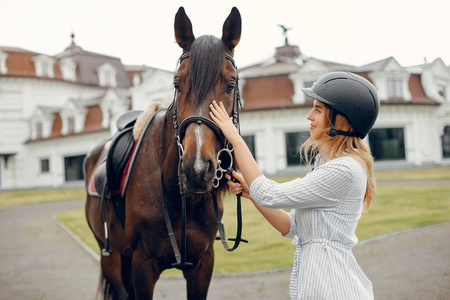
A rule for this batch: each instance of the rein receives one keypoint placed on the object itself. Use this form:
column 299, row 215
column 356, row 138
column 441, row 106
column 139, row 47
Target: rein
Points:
column 225, row 165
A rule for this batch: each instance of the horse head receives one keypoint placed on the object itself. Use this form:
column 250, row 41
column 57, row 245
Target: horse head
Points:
column 206, row 72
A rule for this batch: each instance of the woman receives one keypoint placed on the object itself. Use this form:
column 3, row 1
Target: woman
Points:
column 327, row 203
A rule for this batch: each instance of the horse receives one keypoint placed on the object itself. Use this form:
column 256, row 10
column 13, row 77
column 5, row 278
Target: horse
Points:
column 173, row 185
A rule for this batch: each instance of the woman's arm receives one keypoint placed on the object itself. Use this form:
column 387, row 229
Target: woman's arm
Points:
column 278, row 218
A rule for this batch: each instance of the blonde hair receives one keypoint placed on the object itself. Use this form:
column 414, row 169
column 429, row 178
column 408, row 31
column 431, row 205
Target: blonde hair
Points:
column 332, row 147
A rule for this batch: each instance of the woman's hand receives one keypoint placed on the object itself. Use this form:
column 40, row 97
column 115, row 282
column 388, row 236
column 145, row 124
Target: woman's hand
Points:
column 220, row 116
column 242, row 155
column 240, row 186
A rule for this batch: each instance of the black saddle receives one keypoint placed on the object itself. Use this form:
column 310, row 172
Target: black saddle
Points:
column 119, row 152
column 109, row 173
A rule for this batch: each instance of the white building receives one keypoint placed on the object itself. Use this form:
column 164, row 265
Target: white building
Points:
column 54, row 109
column 412, row 129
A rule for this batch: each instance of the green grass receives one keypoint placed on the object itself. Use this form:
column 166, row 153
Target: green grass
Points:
column 14, row 198
column 75, row 220
column 414, row 174
column 397, row 207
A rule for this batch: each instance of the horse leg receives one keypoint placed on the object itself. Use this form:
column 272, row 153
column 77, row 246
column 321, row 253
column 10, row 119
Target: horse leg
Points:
column 145, row 274
column 113, row 286
column 199, row 278
column 127, row 277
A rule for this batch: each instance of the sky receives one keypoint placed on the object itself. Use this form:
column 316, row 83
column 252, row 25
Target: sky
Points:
column 140, row 32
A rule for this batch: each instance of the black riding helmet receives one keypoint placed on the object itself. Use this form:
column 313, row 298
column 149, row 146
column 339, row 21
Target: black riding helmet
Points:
column 351, row 95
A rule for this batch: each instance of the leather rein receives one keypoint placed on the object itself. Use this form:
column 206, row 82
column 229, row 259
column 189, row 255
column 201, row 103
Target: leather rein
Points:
column 225, row 165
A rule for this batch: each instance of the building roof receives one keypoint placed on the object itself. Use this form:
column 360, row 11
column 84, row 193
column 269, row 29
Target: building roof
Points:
column 20, row 63
column 89, row 62
column 374, row 66
column 287, row 59
column 49, row 109
column 268, row 85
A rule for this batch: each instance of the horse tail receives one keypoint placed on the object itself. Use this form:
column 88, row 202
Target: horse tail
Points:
column 104, row 291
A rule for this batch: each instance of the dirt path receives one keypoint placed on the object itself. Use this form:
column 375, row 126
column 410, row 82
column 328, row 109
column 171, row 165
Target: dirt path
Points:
column 41, row 261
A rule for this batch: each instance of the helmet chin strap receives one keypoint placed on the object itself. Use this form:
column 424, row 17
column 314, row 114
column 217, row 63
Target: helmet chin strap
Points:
column 333, row 132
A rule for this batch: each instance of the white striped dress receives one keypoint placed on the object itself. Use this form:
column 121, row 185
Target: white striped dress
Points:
column 325, row 208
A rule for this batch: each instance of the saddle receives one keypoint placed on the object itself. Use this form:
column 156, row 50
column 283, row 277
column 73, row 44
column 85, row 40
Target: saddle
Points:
column 110, row 178
column 110, row 174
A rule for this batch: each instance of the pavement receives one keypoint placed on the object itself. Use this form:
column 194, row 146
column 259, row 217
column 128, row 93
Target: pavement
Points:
column 40, row 260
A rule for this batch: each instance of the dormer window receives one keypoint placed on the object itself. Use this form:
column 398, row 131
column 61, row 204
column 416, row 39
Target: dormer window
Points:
column 42, row 121
column 44, row 66
column 107, row 75
column 70, row 124
column 307, row 84
column 441, row 90
column 68, row 68
column 390, row 79
column 394, row 88
column 39, row 131
column 3, row 57
column 73, row 117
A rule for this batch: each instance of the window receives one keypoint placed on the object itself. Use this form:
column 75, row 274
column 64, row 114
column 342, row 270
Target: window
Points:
column 39, row 130
column 441, row 90
column 107, row 75
column 308, row 84
column 107, row 78
column 71, row 124
column 73, row 167
column 250, row 141
column 293, row 142
column 394, row 87
column 44, row 66
column 387, row 143
column 446, row 142
column 45, row 165
column 68, row 68
column 3, row 57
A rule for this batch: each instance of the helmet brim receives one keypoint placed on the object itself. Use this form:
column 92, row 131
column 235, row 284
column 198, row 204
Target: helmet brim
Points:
column 310, row 93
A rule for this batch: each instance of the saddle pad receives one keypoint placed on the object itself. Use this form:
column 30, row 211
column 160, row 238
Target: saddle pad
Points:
column 93, row 189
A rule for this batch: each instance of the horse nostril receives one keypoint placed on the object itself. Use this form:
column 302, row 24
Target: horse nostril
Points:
column 210, row 170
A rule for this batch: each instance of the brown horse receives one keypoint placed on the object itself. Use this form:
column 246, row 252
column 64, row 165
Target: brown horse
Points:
column 178, row 155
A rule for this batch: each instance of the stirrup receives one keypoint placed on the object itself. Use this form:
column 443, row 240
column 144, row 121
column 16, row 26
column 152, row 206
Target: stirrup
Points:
column 107, row 250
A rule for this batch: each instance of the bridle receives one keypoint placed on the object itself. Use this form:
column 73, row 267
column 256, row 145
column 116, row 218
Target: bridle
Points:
column 227, row 148
column 224, row 165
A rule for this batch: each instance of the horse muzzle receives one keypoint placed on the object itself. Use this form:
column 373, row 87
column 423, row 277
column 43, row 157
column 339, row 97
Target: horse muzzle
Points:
column 197, row 174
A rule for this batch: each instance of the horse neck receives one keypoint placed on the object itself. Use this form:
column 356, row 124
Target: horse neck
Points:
column 169, row 151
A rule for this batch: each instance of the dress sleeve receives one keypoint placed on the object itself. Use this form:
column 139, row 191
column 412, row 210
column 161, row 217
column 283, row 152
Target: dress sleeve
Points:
column 293, row 226
column 324, row 188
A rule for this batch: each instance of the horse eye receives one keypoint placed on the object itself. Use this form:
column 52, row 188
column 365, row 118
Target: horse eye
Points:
column 231, row 87
column 176, row 85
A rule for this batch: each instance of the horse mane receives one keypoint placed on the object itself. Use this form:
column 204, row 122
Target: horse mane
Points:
column 206, row 58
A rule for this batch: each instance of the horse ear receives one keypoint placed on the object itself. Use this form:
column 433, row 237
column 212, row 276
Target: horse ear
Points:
column 231, row 32
column 183, row 29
